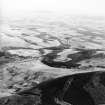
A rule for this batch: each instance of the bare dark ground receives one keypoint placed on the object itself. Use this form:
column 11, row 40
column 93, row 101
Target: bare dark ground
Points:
column 48, row 92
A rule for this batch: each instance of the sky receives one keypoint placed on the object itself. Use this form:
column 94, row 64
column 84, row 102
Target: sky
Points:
column 89, row 7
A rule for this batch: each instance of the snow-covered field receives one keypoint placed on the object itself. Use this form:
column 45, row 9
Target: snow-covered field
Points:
column 38, row 48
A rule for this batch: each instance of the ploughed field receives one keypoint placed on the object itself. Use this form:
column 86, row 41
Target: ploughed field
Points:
column 52, row 60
